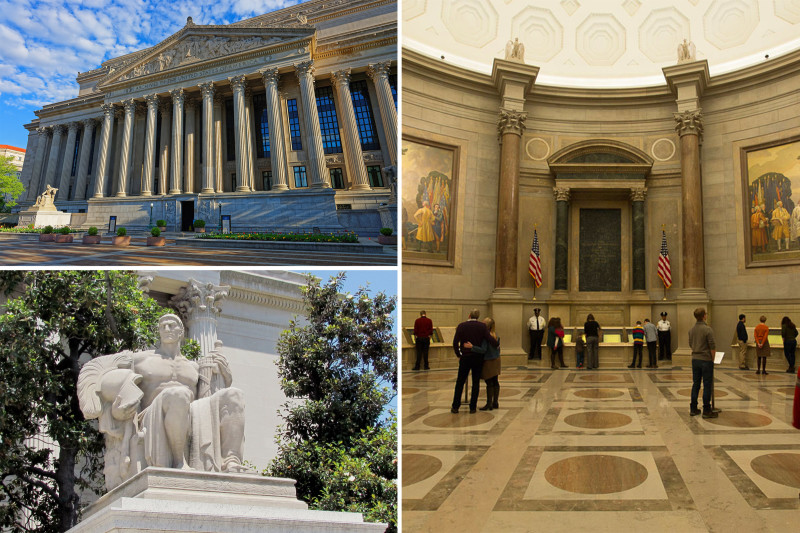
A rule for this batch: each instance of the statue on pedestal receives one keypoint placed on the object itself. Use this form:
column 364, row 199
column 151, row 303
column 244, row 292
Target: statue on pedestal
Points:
column 157, row 408
column 686, row 51
column 46, row 200
column 515, row 51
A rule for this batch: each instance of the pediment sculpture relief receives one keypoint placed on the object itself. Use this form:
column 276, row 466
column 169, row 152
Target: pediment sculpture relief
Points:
column 197, row 48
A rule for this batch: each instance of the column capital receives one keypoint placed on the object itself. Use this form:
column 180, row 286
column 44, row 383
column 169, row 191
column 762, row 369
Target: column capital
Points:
column 207, row 89
column 151, row 99
column 44, row 130
column 511, row 121
column 89, row 123
column 59, row 129
column 73, row 126
column 305, row 69
column 638, row 194
column 689, row 122
column 341, row 77
column 129, row 105
column 108, row 109
column 177, row 96
column 380, row 70
column 270, row 75
column 561, row 194
column 238, row 83
column 197, row 300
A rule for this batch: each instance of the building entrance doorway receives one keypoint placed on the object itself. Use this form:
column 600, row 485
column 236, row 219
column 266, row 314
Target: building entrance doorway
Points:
column 187, row 215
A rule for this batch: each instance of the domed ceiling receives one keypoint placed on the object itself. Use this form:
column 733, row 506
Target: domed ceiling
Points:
column 602, row 43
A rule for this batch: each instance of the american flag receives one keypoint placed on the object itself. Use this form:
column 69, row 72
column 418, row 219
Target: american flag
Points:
column 535, row 263
column 664, row 271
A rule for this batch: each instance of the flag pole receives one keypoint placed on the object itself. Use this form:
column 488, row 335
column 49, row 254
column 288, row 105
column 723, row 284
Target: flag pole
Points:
column 534, row 279
column 663, row 228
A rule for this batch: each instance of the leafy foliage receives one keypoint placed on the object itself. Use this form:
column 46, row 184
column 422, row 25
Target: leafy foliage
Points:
column 341, row 363
column 121, row 232
column 52, row 322
column 92, row 231
column 155, row 232
column 9, row 184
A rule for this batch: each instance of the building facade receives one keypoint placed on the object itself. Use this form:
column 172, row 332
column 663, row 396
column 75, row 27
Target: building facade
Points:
column 284, row 121
column 17, row 156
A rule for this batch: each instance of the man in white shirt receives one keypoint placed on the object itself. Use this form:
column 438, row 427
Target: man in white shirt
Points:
column 536, row 327
column 664, row 338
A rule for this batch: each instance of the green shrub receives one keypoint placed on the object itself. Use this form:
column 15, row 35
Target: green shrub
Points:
column 199, row 223
column 121, row 232
column 47, row 230
column 386, row 231
column 64, row 231
column 162, row 223
column 92, row 231
column 155, row 232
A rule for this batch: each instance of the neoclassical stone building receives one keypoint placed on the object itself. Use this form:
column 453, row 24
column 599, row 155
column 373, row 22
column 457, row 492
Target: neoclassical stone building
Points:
column 284, row 121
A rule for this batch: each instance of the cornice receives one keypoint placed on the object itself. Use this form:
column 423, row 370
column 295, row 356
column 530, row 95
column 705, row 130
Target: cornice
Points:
column 315, row 11
column 80, row 103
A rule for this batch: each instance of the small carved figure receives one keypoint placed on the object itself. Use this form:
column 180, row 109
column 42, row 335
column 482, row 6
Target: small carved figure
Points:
column 686, row 51
column 515, row 51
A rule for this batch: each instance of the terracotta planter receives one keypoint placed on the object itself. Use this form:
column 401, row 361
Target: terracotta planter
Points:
column 162, row 228
column 91, row 239
column 387, row 239
column 156, row 241
column 64, row 238
column 47, row 237
column 121, row 241
column 199, row 230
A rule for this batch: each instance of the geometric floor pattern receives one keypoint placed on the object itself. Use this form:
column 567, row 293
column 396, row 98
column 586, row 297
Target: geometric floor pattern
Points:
column 601, row 450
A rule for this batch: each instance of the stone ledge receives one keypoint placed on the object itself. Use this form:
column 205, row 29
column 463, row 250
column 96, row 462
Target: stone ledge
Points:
column 352, row 248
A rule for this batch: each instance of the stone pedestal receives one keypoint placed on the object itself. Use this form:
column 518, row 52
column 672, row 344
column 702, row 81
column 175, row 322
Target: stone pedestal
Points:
column 388, row 215
column 506, row 308
column 163, row 499
column 688, row 301
column 42, row 218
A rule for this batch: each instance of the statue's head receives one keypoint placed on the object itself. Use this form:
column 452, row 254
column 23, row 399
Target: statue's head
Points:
column 170, row 328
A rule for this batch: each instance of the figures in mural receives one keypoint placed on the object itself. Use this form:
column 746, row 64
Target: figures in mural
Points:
column 758, row 228
column 780, row 225
column 794, row 225
column 515, row 51
column 424, row 219
column 771, row 194
column 439, row 226
column 432, row 222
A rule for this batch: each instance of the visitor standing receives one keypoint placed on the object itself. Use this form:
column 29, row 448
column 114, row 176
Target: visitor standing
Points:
column 473, row 332
column 789, row 335
column 638, row 344
column 491, row 367
column 701, row 341
column 651, row 338
column 536, row 328
column 423, row 330
column 592, row 331
column 741, row 338
column 761, row 336
column 664, row 338
column 555, row 341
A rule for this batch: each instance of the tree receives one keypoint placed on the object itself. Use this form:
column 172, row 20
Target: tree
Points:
column 10, row 186
column 340, row 369
column 52, row 322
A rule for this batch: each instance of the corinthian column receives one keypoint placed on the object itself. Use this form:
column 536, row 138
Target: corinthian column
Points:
column 510, row 126
column 249, row 145
column 199, row 305
column 209, row 155
column 353, row 156
column 177, row 140
column 316, row 155
column 689, row 126
column 163, row 162
column 83, row 164
column 191, row 135
column 125, row 159
column 66, row 166
column 379, row 72
column 278, row 157
column 562, row 238
column 41, row 150
column 150, row 144
column 52, row 161
column 217, row 177
column 637, row 219
column 103, row 168
column 240, row 132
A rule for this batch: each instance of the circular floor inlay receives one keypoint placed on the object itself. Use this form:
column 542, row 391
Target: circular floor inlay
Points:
column 740, row 419
column 761, row 377
column 596, row 474
column 436, row 377
column 599, row 393
column 462, row 419
column 506, row 393
column 786, row 390
column 688, row 393
column 598, row 420
column 410, row 390
column 783, row 468
column 676, row 377
column 599, row 377
column 417, row 467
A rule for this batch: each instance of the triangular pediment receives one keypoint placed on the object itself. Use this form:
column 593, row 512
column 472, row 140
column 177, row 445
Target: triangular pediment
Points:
column 205, row 44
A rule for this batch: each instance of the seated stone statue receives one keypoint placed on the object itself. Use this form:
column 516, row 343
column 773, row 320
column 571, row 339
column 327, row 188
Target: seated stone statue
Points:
column 157, row 408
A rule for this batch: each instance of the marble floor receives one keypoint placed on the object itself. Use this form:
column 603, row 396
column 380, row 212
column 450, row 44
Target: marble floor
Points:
column 602, row 450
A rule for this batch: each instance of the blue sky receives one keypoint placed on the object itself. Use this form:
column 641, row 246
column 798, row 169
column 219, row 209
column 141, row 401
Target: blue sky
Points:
column 45, row 44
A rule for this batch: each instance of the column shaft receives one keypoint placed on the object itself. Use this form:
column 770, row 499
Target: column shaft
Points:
column 191, row 135
column 562, row 240
column 354, row 157
column 150, row 144
column 250, row 144
column 219, row 163
column 177, row 140
column 637, row 224
column 511, row 126
column 83, row 164
column 66, row 166
column 41, row 151
column 692, row 196
column 277, row 144
column 209, row 154
column 164, row 161
column 127, row 138
column 313, row 140
column 103, row 167
column 52, row 160
column 240, row 131
column 379, row 73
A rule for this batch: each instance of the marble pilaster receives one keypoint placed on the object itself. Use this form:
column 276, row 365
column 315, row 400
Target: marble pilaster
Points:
column 353, row 156
column 240, row 131
column 562, row 239
column 150, row 144
column 163, row 151
column 103, row 166
column 379, row 72
column 41, row 149
column 510, row 126
column 637, row 225
column 689, row 126
column 83, row 163
column 277, row 142
column 177, row 141
column 66, row 166
column 52, row 160
column 127, row 138
column 313, row 140
column 209, row 153
column 191, row 134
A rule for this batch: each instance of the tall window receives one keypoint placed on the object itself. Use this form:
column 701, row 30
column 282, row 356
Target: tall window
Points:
column 78, row 139
column 231, row 144
column 328, row 123
column 91, row 162
column 262, row 125
column 300, row 177
column 233, row 181
column 294, row 124
column 158, row 143
column 266, row 176
column 375, row 177
column 364, row 117
column 393, row 85
column 337, row 179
